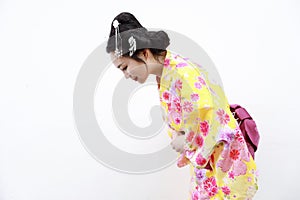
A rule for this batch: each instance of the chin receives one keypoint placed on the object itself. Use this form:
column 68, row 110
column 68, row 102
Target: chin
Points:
column 141, row 82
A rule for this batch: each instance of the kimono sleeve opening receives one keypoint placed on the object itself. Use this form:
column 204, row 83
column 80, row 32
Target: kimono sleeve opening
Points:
column 197, row 148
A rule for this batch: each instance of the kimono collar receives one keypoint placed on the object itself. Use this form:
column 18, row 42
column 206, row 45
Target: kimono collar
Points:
column 170, row 60
column 168, row 69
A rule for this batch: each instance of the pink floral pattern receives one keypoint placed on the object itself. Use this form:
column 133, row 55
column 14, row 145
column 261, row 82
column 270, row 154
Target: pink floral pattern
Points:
column 193, row 104
column 194, row 97
column 226, row 190
column 201, row 80
column 231, row 174
column 167, row 62
column 198, row 141
column 166, row 96
column 196, row 195
column 204, row 128
column 178, row 84
column 223, row 117
column 210, row 186
column 190, row 136
column 181, row 64
column 234, row 158
column 188, row 106
column 198, row 85
column 200, row 160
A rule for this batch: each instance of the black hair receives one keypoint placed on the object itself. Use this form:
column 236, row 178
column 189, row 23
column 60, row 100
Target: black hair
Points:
column 155, row 41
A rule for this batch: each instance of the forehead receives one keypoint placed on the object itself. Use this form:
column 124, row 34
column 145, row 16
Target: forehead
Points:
column 117, row 61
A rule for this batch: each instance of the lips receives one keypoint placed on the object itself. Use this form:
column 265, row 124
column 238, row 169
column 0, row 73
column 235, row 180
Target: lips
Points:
column 135, row 79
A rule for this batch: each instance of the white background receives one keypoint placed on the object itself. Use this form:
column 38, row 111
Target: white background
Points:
column 255, row 46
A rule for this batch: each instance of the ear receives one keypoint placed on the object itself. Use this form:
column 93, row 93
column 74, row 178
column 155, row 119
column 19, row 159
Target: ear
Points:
column 145, row 54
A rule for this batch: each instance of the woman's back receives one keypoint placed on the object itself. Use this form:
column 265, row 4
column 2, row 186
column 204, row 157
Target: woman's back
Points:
column 220, row 161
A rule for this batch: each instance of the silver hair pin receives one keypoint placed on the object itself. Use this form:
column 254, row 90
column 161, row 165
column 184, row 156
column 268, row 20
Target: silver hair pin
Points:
column 118, row 39
column 132, row 45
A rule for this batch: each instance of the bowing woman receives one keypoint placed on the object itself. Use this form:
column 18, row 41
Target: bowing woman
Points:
column 201, row 126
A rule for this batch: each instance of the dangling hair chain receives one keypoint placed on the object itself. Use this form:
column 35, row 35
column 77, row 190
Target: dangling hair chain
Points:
column 118, row 41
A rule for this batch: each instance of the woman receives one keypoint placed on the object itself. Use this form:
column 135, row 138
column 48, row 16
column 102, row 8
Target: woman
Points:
column 202, row 128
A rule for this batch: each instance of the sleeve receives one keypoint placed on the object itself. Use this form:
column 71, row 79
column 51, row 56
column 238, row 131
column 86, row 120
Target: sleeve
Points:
column 194, row 116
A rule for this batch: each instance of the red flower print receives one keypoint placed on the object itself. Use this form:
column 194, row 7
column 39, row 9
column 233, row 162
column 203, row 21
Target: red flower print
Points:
column 234, row 154
column 200, row 160
column 223, row 117
column 199, row 140
column 226, row 190
column 187, row 106
column 176, row 103
column 166, row 96
column 177, row 120
column 239, row 137
column 169, row 106
column 167, row 62
column 190, row 136
column 210, row 186
column 234, row 158
column 231, row 174
column 178, row 84
column 174, row 116
column 204, row 127
column 194, row 97
column 201, row 80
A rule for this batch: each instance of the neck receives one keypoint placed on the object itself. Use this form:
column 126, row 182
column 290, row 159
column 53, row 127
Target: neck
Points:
column 155, row 69
column 157, row 65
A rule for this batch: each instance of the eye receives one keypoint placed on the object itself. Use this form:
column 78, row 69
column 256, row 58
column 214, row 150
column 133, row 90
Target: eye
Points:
column 124, row 68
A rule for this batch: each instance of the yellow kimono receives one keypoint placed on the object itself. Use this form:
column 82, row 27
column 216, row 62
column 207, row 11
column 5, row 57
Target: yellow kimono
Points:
column 221, row 165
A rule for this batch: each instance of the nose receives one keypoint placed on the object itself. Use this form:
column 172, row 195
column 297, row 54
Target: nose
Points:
column 126, row 74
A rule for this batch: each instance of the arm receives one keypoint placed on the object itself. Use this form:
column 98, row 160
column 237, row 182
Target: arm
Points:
column 194, row 116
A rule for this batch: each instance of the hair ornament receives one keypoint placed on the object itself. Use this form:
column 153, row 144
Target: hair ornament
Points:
column 132, row 45
column 118, row 39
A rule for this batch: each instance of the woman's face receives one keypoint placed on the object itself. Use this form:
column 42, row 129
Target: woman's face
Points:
column 131, row 68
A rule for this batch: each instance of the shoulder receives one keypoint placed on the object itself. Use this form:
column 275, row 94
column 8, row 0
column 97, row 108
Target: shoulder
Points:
column 182, row 68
